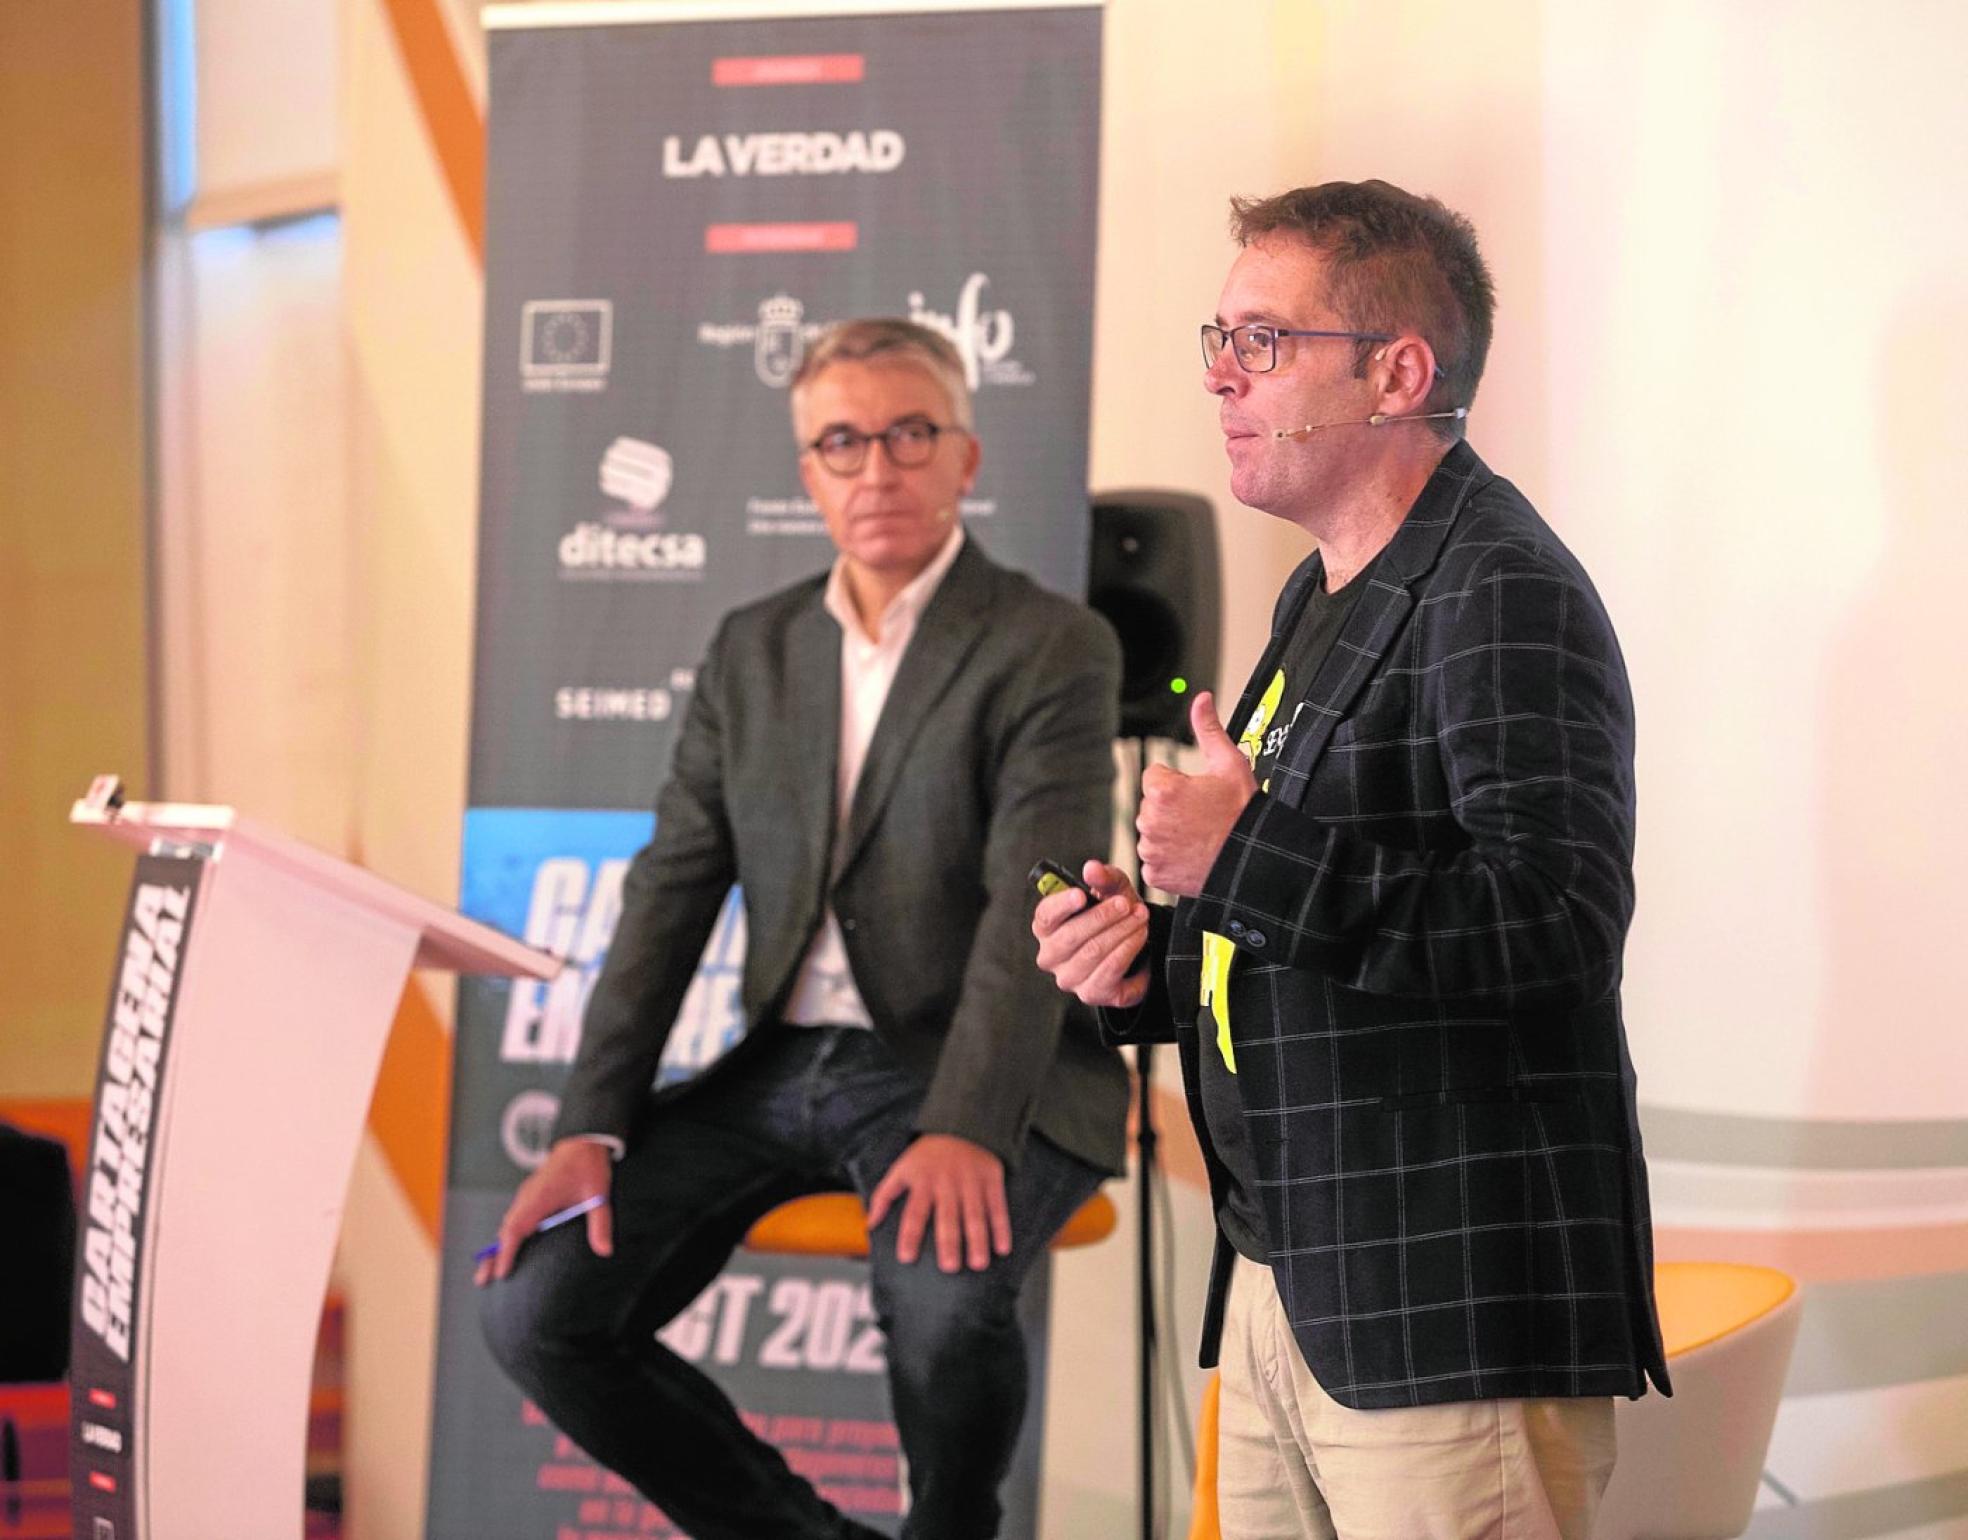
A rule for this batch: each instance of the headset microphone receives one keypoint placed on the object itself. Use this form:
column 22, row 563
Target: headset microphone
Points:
column 1378, row 420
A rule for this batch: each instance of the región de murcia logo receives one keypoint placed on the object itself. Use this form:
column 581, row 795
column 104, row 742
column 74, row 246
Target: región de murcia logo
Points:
column 778, row 338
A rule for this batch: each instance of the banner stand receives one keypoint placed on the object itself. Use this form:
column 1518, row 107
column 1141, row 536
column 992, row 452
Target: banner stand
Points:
column 253, row 994
column 679, row 199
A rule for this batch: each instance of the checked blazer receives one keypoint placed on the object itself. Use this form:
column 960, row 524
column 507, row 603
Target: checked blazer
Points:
column 1428, row 907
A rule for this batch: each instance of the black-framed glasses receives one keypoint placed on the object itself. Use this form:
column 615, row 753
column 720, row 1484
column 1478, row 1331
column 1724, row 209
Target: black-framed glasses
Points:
column 907, row 444
column 1255, row 346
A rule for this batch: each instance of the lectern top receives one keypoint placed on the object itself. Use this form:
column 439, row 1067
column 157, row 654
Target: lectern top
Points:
column 448, row 940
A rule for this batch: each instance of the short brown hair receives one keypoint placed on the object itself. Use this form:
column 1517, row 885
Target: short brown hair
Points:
column 1397, row 262
column 894, row 340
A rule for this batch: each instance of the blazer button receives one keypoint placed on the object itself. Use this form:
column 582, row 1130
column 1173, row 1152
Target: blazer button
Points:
column 849, row 922
column 1253, row 939
column 1236, row 930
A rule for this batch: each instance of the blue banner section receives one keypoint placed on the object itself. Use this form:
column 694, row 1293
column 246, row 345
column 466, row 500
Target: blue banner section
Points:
column 505, row 848
column 553, row 877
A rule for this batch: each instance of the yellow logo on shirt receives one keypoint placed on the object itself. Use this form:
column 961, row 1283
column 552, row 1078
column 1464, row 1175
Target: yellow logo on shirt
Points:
column 1218, row 951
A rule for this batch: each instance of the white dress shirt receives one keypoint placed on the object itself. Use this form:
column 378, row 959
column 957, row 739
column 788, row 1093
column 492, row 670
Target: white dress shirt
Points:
column 825, row 993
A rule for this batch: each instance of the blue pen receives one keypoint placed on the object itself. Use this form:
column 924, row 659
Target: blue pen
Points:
column 574, row 1211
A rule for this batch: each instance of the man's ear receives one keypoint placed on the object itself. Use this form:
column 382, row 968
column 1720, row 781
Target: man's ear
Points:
column 973, row 455
column 810, row 472
column 1408, row 373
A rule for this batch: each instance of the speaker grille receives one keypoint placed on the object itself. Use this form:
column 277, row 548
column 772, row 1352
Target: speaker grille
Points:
column 1152, row 571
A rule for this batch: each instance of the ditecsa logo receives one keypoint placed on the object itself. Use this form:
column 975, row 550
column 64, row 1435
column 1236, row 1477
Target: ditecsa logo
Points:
column 628, row 542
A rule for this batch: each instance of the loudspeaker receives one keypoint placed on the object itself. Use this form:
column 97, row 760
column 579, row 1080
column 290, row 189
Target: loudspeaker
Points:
column 37, row 1208
column 1153, row 573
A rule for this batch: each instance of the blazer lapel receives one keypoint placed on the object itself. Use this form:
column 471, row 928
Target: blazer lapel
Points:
column 813, row 707
column 1377, row 619
column 947, row 631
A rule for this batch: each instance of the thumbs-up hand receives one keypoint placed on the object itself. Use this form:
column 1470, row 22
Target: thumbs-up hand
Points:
column 1186, row 818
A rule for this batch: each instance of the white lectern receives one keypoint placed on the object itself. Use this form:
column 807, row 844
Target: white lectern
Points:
column 254, row 992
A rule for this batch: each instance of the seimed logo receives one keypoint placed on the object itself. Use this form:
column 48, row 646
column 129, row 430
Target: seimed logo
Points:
column 572, row 913
column 622, row 703
column 820, row 153
column 126, row 1106
column 565, row 344
column 624, row 543
column 982, row 337
column 604, row 703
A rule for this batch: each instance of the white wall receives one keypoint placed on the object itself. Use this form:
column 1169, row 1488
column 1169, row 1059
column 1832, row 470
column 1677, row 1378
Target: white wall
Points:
column 1728, row 242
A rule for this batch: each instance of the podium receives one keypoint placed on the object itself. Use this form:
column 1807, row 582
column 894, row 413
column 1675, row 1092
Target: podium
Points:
column 253, row 994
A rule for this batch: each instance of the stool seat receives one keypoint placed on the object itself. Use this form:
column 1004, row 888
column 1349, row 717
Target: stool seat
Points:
column 1703, row 1301
column 833, row 1224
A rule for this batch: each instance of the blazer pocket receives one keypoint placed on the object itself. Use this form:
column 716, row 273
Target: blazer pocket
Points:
column 1474, row 1096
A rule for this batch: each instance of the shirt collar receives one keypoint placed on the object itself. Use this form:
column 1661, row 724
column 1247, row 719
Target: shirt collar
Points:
column 905, row 608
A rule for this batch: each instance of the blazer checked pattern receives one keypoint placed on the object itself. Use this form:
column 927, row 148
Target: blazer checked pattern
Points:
column 1429, row 907
column 994, row 747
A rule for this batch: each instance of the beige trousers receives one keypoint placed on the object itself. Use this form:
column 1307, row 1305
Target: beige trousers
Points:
column 1296, row 1465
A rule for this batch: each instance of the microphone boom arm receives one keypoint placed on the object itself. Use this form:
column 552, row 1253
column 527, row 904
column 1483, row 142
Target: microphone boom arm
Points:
column 1378, row 420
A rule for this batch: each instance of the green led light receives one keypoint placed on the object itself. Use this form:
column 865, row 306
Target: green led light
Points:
column 1179, row 686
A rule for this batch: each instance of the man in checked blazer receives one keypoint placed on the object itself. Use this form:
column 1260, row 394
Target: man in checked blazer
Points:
column 876, row 756
column 1394, row 968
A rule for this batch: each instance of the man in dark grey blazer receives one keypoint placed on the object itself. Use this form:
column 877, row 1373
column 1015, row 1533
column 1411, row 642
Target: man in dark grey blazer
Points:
column 876, row 756
column 1404, row 892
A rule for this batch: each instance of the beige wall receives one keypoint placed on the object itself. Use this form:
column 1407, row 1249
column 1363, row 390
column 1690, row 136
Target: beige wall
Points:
column 255, row 548
column 415, row 293
column 72, row 688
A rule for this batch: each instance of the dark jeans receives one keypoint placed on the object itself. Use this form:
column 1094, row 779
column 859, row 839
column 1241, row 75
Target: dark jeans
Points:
column 810, row 1109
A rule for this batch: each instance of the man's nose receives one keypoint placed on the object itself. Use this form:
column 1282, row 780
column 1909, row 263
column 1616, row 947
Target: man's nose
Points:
column 1224, row 376
column 878, row 469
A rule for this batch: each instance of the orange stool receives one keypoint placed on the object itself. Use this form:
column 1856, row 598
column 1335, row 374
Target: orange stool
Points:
column 1689, row 1467
column 1204, row 1521
column 833, row 1224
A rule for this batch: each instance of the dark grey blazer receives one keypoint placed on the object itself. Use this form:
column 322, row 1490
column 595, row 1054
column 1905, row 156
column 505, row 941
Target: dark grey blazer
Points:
column 1429, row 908
column 995, row 747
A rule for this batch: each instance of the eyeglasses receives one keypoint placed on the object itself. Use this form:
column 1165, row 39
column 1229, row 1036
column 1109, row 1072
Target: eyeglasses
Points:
column 907, row 444
column 1256, row 345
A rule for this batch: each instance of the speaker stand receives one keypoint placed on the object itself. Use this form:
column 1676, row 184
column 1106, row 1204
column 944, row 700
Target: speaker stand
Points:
column 1145, row 1142
column 1146, row 1146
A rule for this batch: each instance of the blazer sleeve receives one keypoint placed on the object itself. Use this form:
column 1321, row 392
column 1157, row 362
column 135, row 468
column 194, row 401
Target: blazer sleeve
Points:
column 1052, row 771
column 671, row 898
column 1534, row 734
column 1153, row 1019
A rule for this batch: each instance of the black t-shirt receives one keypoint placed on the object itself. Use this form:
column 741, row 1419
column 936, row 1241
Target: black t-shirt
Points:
column 1262, row 737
